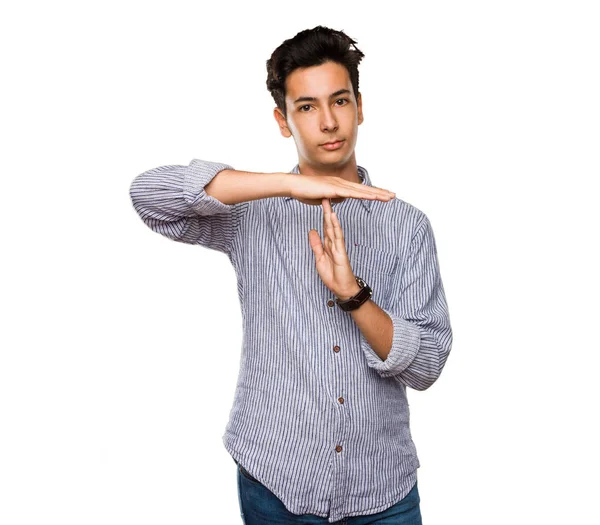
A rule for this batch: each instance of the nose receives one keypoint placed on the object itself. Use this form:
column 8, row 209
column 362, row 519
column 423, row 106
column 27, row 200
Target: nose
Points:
column 328, row 121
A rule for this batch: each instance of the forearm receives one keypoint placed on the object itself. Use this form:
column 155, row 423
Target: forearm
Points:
column 233, row 186
column 411, row 338
column 376, row 327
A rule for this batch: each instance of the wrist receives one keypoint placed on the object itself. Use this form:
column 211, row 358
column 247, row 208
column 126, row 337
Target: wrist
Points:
column 285, row 185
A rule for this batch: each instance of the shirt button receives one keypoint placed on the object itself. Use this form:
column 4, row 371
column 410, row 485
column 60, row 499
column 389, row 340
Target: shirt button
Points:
column 341, row 400
column 338, row 448
column 331, row 302
column 336, row 348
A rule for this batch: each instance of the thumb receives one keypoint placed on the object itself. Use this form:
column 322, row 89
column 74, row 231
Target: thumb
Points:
column 315, row 243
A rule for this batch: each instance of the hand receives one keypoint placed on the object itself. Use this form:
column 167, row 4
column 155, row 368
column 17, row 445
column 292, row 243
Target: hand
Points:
column 312, row 189
column 331, row 258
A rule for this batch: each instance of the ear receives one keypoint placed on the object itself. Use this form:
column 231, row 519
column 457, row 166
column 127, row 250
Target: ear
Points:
column 281, row 122
column 359, row 106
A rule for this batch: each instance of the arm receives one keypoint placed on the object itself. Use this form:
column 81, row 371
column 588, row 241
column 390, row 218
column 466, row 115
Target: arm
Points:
column 232, row 186
column 375, row 325
column 421, row 335
column 177, row 202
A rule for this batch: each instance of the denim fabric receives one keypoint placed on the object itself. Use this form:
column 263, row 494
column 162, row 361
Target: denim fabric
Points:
column 259, row 506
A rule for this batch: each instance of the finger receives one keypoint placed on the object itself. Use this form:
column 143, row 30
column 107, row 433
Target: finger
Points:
column 338, row 234
column 355, row 186
column 381, row 190
column 315, row 243
column 366, row 192
column 327, row 228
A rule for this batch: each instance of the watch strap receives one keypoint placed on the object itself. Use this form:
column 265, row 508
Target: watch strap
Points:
column 357, row 300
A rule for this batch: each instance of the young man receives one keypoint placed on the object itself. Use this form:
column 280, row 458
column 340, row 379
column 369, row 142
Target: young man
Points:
column 342, row 301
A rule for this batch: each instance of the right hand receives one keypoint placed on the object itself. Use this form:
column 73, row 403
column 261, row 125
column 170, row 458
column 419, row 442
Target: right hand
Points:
column 311, row 189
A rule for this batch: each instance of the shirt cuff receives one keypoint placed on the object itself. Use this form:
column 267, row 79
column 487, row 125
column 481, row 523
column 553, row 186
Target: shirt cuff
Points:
column 197, row 176
column 406, row 340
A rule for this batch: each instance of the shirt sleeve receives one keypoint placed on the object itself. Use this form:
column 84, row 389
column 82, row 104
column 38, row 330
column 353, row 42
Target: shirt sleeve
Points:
column 422, row 335
column 171, row 201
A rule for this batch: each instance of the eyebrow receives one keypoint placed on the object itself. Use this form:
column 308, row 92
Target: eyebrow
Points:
column 312, row 99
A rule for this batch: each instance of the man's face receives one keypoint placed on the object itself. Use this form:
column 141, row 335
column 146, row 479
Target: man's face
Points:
column 321, row 107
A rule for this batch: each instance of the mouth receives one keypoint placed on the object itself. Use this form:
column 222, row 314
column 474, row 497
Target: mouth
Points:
column 333, row 145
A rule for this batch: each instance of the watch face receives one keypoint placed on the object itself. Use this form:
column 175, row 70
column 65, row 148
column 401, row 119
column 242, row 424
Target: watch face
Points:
column 360, row 282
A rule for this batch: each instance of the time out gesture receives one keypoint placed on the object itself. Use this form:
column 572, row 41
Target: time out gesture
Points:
column 331, row 259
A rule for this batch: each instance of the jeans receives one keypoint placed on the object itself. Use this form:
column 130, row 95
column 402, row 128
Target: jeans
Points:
column 259, row 506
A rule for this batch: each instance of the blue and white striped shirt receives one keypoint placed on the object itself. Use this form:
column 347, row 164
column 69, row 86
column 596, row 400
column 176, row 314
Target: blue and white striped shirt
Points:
column 318, row 417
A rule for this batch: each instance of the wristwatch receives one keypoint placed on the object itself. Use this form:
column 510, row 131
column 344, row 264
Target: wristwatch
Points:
column 354, row 302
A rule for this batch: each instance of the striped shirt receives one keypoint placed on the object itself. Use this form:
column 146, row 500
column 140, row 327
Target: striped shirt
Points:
column 318, row 417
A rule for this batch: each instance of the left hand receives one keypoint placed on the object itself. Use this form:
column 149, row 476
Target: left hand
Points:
column 331, row 258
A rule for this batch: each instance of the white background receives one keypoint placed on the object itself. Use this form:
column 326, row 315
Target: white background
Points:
column 121, row 348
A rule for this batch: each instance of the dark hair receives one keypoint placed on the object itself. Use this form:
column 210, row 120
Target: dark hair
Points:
column 311, row 47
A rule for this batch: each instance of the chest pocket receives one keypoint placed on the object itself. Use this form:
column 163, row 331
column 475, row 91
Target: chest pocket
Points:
column 376, row 267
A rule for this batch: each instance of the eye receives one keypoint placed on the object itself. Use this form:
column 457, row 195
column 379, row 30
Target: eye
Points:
column 305, row 106
column 344, row 99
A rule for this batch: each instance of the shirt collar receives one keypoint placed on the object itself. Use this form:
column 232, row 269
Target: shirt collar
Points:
column 363, row 175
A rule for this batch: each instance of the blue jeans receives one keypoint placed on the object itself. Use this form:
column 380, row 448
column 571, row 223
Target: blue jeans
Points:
column 259, row 506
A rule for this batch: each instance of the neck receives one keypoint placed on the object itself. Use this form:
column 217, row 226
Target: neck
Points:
column 348, row 171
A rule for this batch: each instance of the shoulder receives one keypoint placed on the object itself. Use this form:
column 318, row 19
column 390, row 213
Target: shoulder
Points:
column 406, row 216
